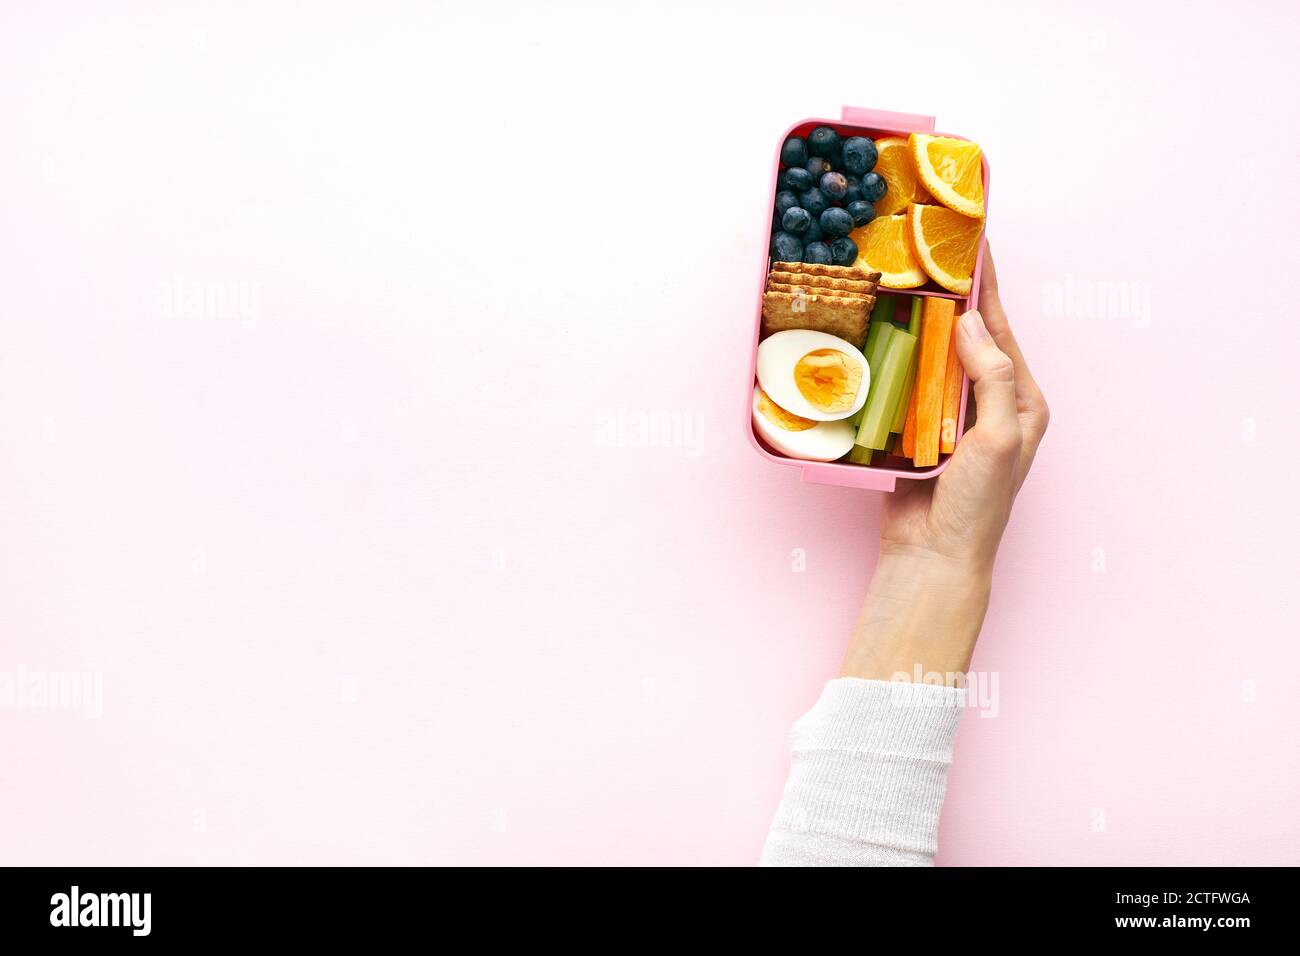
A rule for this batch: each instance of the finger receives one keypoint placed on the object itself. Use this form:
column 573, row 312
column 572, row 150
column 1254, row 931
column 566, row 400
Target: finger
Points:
column 1029, row 398
column 994, row 377
column 995, row 317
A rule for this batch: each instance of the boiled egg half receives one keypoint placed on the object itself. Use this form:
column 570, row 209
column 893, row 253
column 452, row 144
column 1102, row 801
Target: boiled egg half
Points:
column 797, row 437
column 813, row 375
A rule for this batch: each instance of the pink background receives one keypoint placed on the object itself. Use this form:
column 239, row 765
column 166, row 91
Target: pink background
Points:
column 369, row 579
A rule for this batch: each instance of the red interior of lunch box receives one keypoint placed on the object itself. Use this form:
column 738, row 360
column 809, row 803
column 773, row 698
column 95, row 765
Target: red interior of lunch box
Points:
column 843, row 473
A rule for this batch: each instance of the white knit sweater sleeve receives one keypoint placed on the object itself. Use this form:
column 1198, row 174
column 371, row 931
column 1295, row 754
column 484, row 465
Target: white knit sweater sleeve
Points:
column 868, row 772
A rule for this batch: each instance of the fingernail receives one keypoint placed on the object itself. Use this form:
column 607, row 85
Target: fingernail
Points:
column 972, row 324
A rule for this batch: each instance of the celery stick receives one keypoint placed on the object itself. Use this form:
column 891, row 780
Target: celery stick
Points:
column 875, row 358
column 860, row 456
column 896, row 401
column 900, row 413
column 914, row 327
column 886, row 390
column 876, row 349
column 873, row 333
column 877, row 335
column 884, row 308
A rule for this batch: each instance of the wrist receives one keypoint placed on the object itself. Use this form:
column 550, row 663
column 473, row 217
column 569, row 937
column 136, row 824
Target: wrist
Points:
column 922, row 615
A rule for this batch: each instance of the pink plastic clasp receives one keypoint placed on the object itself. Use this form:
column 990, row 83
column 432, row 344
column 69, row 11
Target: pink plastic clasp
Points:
column 884, row 119
column 849, row 476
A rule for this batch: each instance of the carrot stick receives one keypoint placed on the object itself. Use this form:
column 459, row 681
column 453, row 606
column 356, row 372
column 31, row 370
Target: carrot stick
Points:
column 914, row 327
column 951, row 398
column 909, row 426
column 936, row 335
column 908, row 446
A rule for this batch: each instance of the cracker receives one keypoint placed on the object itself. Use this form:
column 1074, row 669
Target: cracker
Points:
column 837, row 315
column 832, row 272
column 802, row 289
column 823, row 282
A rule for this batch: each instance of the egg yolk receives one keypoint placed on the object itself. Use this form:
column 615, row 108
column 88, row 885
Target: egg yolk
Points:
column 829, row 379
column 779, row 417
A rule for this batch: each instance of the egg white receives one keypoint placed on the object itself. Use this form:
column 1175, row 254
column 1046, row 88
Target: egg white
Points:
column 778, row 355
column 825, row 441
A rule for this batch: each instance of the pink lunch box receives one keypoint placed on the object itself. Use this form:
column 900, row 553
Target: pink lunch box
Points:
column 876, row 124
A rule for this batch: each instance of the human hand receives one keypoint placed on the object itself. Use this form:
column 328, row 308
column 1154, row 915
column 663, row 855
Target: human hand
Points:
column 939, row 538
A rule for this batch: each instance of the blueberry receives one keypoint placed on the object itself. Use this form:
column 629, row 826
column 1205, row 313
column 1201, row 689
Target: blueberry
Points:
column 859, row 155
column 836, row 157
column 822, row 141
column 817, row 167
column 844, row 251
column 817, row 252
column 796, row 220
column 836, row 222
column 794, row 152
column 814, row 231
column 797, row 178
column 854, row 192
column 784, row 200
column 814, row 200
column 862, row 212
column 873, row 187
column 834, row 185
column 787, row 247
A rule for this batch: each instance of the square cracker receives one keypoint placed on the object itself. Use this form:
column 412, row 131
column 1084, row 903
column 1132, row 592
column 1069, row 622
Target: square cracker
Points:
column 803, row 289
column 834, row 314
column 831, row 272
column 822, row 282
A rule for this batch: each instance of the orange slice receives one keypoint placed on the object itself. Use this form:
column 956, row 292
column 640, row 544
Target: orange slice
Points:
column 953, row 171
column 945, row 243
column 883, row 247
column 894, row 164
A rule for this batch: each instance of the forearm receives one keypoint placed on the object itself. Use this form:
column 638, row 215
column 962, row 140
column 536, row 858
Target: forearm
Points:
column 922, row 615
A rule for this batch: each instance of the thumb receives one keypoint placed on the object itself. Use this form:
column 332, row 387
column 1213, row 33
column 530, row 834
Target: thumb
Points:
column 993, row 374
